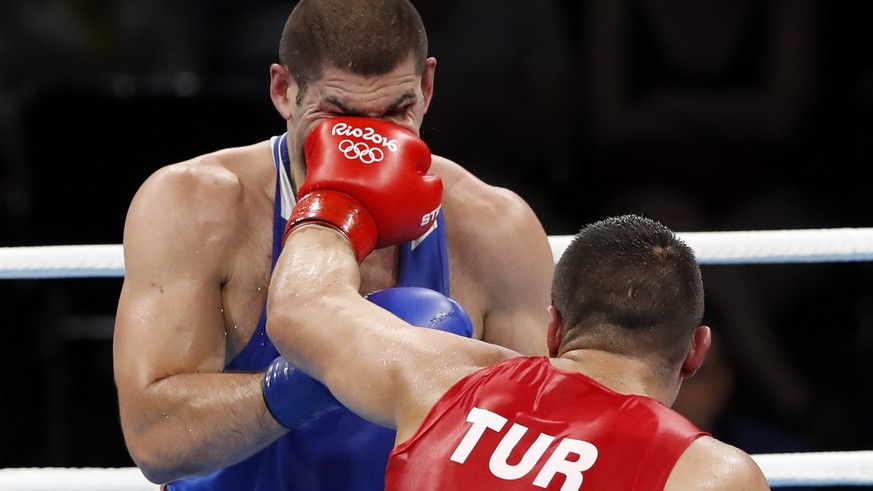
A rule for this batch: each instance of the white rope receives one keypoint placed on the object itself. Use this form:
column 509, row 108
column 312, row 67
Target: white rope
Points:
column 740, row 247
column 812, row 469
column 74, row 479
column 769, row 246
column 68, row 261
column 817, row 468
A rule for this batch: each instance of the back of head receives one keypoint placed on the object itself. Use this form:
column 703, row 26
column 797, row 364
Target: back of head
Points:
column 365, row 37
column 629, row 285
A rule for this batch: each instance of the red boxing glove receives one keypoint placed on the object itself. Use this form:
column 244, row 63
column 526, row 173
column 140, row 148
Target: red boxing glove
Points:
column 368, row 179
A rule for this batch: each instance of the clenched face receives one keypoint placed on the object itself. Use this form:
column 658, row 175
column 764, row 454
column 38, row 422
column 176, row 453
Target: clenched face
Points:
column 400, row 97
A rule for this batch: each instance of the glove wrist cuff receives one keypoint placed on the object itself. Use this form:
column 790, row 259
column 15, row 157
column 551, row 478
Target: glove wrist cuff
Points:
column 340, row 211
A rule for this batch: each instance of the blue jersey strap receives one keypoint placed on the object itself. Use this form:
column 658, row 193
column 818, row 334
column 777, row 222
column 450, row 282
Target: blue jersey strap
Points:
column 426, row 263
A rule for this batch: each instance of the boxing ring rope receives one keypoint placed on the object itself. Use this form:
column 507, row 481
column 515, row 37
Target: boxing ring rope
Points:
column 810, row 469
column 740, row 247
column 813, row 469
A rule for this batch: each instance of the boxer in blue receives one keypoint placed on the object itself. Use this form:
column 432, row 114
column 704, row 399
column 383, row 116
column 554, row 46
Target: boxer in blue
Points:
column 190, row 349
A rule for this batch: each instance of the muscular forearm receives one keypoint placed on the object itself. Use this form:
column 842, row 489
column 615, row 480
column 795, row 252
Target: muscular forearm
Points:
column 316, row 270
column 195, row 424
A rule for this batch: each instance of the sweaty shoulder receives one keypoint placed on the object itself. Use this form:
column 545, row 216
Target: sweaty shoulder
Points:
column 209, row 180
column 500, row 255
column 488, row 213
column 709, row 464
column 490, row 219
column 211, row 172
column 205, row 201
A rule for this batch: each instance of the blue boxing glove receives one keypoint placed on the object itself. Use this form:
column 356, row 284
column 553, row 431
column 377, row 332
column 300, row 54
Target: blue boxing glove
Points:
column 424, row 307
column 293, row 397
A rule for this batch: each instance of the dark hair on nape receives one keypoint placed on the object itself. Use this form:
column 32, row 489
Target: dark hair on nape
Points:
column 365, row 37
column 628, row 284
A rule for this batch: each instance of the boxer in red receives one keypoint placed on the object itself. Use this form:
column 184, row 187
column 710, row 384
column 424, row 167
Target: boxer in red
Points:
column 624, row 331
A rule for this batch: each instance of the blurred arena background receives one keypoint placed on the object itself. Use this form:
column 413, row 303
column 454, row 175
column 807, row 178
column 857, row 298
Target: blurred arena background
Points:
column 708, row 115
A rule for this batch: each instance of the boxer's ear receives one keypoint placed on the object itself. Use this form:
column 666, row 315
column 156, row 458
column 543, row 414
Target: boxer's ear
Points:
column 700, row 343
column 283, row 90
column 427, row 79
column 555, row 333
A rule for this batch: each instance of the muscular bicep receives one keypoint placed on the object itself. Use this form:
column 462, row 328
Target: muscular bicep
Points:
column 392, row 373
column 169, row 317
column 167, row 325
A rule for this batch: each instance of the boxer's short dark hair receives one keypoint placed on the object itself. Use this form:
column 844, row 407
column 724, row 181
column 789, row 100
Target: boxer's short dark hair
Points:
column 365, row 37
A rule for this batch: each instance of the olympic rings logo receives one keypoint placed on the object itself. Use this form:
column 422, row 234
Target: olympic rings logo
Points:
column 367, row 134
column 362, row 151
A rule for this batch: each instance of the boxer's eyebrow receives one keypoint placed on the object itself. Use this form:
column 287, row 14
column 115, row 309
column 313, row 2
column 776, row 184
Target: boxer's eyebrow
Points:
column 392, row 107
column 400, row 101
column 340, row 106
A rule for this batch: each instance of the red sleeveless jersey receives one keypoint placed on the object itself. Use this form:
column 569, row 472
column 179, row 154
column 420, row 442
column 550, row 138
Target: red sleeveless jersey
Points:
column 523, row 424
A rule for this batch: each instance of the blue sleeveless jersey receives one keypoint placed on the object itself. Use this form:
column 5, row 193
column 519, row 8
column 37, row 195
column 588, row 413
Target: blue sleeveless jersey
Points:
column 339, row 451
